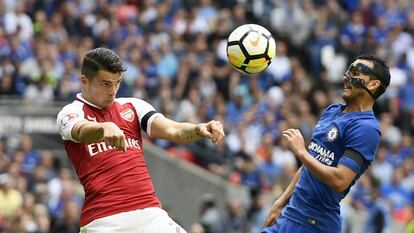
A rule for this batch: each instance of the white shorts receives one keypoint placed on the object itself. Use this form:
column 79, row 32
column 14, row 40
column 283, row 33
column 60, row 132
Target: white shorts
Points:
column 148, row 220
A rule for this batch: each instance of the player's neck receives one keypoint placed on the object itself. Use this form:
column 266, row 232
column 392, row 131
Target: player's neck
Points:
column 358, row 106
column 87, row 98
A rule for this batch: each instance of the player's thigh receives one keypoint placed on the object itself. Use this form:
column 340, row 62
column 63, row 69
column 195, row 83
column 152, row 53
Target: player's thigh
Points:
column 162, row 223
column 106, row 227
column 289, row 226
column 135, row 221
column 125, row 222
column 148, row 220
column 275, row 227
column 284, row 225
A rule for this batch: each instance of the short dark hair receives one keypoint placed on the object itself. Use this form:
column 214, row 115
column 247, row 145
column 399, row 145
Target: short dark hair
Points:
column 380, row 71
column 101, row 59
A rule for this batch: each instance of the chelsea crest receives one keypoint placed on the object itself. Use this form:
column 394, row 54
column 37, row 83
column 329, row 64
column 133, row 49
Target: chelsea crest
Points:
column 332, row 134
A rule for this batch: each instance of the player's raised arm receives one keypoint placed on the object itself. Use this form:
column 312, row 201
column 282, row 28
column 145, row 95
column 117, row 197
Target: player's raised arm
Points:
column 165, row 128
column 74, row 127
column 337, row 178
column 91, row 132
column 278, row 205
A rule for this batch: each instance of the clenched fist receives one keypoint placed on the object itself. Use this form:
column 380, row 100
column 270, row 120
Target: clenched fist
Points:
column 212, row 130
column 114, row 136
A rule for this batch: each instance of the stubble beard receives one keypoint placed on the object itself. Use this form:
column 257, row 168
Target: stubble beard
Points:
column 352, row 97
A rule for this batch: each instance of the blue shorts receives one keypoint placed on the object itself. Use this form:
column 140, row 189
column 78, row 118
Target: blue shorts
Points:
column 284, row 225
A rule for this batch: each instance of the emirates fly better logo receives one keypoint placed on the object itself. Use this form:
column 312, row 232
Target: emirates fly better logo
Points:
column 100, row 147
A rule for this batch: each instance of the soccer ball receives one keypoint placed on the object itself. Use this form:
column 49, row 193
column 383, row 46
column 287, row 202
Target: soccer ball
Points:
column 250, row 48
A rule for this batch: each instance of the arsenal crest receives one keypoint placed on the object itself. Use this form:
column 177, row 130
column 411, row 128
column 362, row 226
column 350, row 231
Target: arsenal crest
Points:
column 128, row 114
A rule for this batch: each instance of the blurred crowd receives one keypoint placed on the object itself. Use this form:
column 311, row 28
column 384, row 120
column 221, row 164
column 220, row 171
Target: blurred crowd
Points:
column 175, row 51
column 37, row 193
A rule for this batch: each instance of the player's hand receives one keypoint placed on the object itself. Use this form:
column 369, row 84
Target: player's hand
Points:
column 114, row 136
column 274, row 214
column 212, row 130
column 295, row 141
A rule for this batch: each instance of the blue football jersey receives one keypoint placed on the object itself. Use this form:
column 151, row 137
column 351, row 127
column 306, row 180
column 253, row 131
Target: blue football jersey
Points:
column 313, row 203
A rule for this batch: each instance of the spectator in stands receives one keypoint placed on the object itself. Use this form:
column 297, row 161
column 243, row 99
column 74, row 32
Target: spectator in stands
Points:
column 197, row 228
column 31, row 156
column 10, row 199
column 210, row 216
column 69, row 222
column 399, row 197
column 18, row 22
column 381, row 168
column 376, row 214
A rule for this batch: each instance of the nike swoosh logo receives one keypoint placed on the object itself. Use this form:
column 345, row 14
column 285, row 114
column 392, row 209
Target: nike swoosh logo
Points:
column 256, row 41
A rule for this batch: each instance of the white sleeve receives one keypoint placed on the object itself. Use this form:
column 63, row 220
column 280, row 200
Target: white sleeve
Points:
column 67, row 118
column 146, row 113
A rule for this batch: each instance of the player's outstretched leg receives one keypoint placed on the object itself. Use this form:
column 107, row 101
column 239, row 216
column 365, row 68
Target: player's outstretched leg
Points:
column 284, row 225
column 148, row 220
column 274, row 228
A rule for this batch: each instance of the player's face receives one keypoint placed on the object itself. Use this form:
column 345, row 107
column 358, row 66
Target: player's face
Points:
column 101, row 90
column 352, row 92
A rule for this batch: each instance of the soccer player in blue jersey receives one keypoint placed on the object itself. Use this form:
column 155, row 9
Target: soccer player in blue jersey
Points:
column 343, row 145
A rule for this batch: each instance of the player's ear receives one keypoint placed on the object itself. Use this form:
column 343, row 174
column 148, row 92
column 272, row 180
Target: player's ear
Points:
column 84, row 79
column 374, row 84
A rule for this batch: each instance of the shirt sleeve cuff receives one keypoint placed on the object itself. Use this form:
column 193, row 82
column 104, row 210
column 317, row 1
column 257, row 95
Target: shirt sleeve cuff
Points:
column 150, row 122
column 351, row 164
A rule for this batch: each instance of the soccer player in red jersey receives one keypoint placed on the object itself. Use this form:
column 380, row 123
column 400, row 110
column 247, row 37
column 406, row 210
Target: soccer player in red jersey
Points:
column 102, row 137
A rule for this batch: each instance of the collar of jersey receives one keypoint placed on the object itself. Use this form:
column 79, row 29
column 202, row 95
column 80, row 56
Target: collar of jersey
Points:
column 343, row 105
column 79, row 97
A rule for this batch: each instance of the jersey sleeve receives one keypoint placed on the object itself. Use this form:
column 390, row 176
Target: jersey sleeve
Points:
column 67, row 119
column 146, row 114
column 361, row 141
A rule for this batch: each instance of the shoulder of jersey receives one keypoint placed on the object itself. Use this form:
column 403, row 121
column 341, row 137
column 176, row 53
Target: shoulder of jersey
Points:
column 333, row 107
column 74, row 104
column 368, row 122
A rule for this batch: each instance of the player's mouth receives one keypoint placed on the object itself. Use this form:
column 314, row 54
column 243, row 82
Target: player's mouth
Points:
column 347, row 86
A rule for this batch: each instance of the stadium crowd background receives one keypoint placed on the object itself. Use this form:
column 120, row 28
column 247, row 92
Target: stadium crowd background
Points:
column 175, row 54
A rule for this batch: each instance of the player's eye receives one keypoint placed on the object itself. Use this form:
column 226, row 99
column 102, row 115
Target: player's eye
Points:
column 354, row 72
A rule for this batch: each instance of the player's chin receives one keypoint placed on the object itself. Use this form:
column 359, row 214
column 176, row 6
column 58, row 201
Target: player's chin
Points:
column 107, row 103
column 346, row 95
column 347, row 92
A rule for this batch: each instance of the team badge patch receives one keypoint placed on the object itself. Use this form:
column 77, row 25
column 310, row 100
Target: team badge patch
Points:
column 332, row 134
column 68, row 118
column 128, row 114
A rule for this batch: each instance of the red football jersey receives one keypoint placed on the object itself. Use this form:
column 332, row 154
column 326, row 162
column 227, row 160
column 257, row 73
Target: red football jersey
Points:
column 114, row 181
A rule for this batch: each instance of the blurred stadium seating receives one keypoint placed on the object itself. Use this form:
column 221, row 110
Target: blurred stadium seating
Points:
column 175, row 53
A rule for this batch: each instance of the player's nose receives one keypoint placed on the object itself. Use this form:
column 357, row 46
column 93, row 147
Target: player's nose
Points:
column 344, row 78
column 112, row 91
